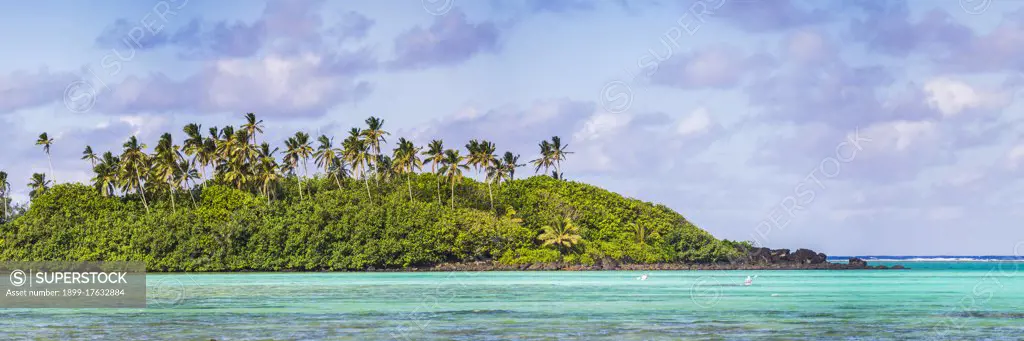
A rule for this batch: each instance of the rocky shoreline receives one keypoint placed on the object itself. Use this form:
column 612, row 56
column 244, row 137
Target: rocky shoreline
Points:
column 756, row 259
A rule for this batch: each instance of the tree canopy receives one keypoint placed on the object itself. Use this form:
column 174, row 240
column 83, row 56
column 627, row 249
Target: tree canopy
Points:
column 222, row 202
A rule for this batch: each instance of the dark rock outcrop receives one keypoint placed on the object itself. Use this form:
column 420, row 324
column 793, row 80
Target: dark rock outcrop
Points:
column 805, row 256
column 857, row 263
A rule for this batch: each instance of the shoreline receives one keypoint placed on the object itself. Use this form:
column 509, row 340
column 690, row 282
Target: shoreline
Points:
column 487, row 266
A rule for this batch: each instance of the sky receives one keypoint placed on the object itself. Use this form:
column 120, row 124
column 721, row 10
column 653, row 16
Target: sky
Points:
column 846, row 127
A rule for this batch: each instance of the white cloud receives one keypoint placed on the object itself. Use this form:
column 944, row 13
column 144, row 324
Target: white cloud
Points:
column 1015, row 156
column 807, row 46
column 951, row 97
column 293, row 82
column 900, row 136
column 600, row 125
column 698, row 122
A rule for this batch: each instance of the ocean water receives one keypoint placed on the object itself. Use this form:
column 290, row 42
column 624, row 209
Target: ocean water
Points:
column 933, row 301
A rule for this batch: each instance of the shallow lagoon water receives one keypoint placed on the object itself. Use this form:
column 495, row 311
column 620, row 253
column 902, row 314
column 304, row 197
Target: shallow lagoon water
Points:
column 934, row 300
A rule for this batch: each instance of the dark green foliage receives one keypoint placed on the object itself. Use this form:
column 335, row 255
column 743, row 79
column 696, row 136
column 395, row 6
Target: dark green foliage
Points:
column 334, row 228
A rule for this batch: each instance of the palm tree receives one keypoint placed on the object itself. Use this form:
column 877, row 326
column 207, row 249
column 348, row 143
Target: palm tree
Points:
column 87, row 154
column 134, row 166
column 235, row 154
column 510, row 162
column 643, row 233
column 267, row 172
column 452, row 168
column 435, row 155
column 252, row 126
column 5, row 186
column 472, row 152
column 503, row 169
column 207, row 157
column 339, row 170
column 481, row 157
column 193, row 147
column 182, row 177
column 299, row 149
column 327, row 157
column 39, row 184
column 407, row 161
column 563, row 235
column 45, row 141
column 374, row 134
column 106, row 174
column 165, row 165
column 384, row 168
column 558, row 154
column 357, row 155
column 545, row 160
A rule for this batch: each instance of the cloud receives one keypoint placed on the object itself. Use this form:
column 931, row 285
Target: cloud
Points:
column 759, row 16
column 952, row 97
column 23, row 89
column 510, row 127
column 713, row 67
column 887, row 29
column 283, row 63
column 451, row 39
column 303, row 85
column 68, row 144
column 123, row 33
column 201, row 40
column 809, row 47
column 953, row 46
column 1002, row 49
column 912, row 132
column 608, row 144
column 559, row 6
column 698, row 122
column 351, row 26
column 1015, row 157
column 602, row 143
column 284, row 27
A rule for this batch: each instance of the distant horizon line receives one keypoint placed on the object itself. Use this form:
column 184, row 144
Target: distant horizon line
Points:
column 932, row 257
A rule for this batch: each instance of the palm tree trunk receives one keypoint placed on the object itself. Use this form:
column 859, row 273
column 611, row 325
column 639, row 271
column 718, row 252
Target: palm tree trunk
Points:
column 453, row 193
column 408, row 181
column 376, row 176
column 489, row 193
column 142, row 190
column 337, row 181
column 202, row 173
column 305, row 173
column 185, row 174
column 173, row 206
column 433, row 169
column 558, row 169
column 367, row 181
column 190, row 195
column 50, row 161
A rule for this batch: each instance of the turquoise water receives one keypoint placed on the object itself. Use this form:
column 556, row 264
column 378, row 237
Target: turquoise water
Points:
column 955, row 301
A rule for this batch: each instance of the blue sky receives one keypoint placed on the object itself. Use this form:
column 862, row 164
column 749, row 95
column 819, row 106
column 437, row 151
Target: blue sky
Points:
column 854, row 127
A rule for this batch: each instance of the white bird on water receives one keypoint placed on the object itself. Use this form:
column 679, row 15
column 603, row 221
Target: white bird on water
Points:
column 642, row 277
column 749, row 281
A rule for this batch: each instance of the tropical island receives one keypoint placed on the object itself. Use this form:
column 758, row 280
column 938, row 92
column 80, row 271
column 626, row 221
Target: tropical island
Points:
column 225, row 201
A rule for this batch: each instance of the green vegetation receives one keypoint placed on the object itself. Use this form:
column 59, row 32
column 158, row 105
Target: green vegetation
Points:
column 222, row 202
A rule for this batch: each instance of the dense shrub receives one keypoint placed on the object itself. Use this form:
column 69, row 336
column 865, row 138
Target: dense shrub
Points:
column 218, row 228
